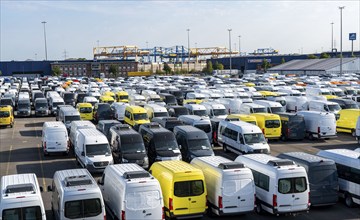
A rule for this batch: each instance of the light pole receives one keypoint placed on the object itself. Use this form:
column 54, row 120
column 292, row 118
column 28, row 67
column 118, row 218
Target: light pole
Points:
column 341, row 58
column 188, row 35
column 44, row 22
column 332, row 36
column 239, row 45
column 230, row 47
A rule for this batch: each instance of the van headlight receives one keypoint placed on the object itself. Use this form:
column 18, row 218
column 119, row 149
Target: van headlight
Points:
column 179, row 157
column 146, row 160
column 89, row 162
column 124, row 160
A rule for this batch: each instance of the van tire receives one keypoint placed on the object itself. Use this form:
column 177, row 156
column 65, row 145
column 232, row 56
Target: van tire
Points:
column 353, row 133
column 259, row 209
column 311, row 137
column 349, row 200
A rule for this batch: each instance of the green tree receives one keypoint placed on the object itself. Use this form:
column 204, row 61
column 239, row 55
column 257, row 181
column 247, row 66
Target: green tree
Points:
column 56, row 71
column 220, row 66
column 159, row 72
column 209, row 68
column 312, row 56
column 283, row 60
column 0, row 73
column 167, row 68
column 215, row 67
column 324, row 56
column 265, row 64
column 114, row 70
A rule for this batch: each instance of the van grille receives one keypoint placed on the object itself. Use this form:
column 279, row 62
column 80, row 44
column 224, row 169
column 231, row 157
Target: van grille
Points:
column 101, row 164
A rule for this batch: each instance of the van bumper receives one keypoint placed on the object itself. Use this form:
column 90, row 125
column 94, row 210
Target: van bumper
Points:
column 188, row 216
column 276, row 212
column 229, row 212
column 326, row 136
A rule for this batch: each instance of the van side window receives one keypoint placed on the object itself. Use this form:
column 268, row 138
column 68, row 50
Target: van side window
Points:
column 261, row 180
column 348, row 173
column 241, row 139
column 127, row 114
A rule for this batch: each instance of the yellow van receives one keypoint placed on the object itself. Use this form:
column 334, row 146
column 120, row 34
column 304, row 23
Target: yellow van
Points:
column 109, row 93
column 183, row 187
column 192, row 101
column 122, row 96
column 249, row 84
column 270, row 124
column 135, row 116
column 268, row 93
column 85, row 110
column 330, row 96
column 6, row 116
column 347, row 120
column 242, row 117
column 106, row 99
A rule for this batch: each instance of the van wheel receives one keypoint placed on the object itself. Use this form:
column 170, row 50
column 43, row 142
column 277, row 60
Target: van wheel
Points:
column 259, row 209
column 12, row 125
column 349, row 201
column 225, row 148
column 311, row 137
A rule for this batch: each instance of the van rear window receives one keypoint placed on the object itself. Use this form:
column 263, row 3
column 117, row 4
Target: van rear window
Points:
column 206, row 128
column 188, row 188
column 272, row 123
column 292, row 185
column 4, row 114
column 83, row 208
column 32, row 212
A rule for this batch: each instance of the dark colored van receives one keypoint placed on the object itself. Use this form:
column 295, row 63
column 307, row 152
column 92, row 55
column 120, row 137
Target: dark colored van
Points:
column 41, row 107
column 103, row 111
column 179, row 95
column 128, row 146
column 293, row 126
column 105, row 125
column 69, row 98
column 160, row 143
column 23, row 108
column 192, row 142
column 177, row 110
column 322, row 174
column 80, row 97
column 345, row 103
column 168, row 98
column 167, row 122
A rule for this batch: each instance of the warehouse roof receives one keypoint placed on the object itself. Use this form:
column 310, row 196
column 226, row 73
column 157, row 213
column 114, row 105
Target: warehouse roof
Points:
column 312, row 64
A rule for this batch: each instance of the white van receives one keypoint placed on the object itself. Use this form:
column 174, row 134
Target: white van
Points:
column 54, row 101
column 130, row 192
column 54, row 138
column 75, row 126
column 21, row 197
column 314, row 91
column 119, row 110
column 296, row 103
column 249, row 108
column 67, row 114
column 75, row 195
column 325, row 106
column 91, row 99
column 348, row 168
column 230, row 185
column 136, row 99
column 215, row 110
column 233, row 106
column 241, row 137
column 92, row 150
column 282, row 187
column 198, row 122
column 154, row 110
column 272, row 107
column 319, row 124
column 197, row 109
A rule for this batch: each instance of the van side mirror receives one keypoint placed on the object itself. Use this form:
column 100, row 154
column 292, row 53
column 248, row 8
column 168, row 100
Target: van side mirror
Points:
column 83, row 153
column 180, row 146
column 41, row 189
column 49, row 188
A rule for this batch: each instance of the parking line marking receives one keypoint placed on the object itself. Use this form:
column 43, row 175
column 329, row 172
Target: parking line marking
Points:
column 12, row 137
column 8, row 163
column 42, row 169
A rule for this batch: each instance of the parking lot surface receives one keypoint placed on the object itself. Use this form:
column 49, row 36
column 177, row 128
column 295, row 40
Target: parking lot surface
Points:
column 20, row 152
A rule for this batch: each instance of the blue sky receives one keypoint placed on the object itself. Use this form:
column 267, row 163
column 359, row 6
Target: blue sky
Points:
column 76, row 26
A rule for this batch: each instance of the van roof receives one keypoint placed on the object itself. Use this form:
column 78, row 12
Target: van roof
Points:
column 177, row 167
column 270, row 160
column 308, row 159
column 76, row 179
column 54, row 124
column 135, row 109
column 93, row 134
column 221, row 162
column 130, row 171
column 344, row 152
column 18, row 184
column 192, row 132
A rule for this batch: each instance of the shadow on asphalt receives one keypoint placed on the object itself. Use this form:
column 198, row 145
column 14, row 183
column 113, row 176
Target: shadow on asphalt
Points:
column 32, row 133
column 32, row 125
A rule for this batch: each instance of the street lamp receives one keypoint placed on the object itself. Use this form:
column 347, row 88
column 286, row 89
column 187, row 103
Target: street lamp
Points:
column 44, row 22
column 188, row 35
column 239, row 45
column 341, row 58
column 332, row 36
column 230, row 47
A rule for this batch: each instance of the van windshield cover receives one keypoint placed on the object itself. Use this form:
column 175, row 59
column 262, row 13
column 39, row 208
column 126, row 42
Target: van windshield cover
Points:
column 123, row 97
column 165, row 141
column 141, row 200
column 199, row 144
column 41, row 105
column 31, row 212
column 97, row 149
column 140, row 116
column 83, row 208
column 254, row 138
column 292, row 185
column 189, row 188
column 272, row 123
column 181, row 111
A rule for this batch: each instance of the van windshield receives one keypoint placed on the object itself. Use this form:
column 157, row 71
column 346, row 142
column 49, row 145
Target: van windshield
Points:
column 200, row 112
column 166, row 144
column 181, row 111
column 70, row 118
column 258, row 110
column 83, row 208
column 339, row 93
column 204, row 127
column 323, row 175
column 41, row 105
column 272, row 123
column 188, row 188
column 292, row 185
column 23, row 105
column 218, row 112
column 97, row 149
column 254, row 138
column 140, row 116
column 275, row 110
column 85, row 110
column 333, row 108
column 132, row 143
column 4, row 114
column 123, row 97
column 32, row 212
column 141, row 200
column 161, row 114
column 199, row 144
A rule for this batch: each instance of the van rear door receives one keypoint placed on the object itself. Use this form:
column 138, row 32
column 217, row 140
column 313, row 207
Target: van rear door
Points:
column 143, row 202
column 56, row 140
column 327, row 126
column 292, row 194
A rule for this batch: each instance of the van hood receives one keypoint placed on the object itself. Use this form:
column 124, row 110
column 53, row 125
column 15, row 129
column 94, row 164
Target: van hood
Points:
column 259, row 146
column 168, row 153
